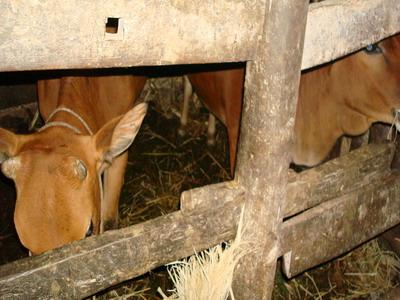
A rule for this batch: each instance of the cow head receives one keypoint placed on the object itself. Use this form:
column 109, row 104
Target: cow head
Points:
column 56, row 174
column 346, row 97
column 369, row 84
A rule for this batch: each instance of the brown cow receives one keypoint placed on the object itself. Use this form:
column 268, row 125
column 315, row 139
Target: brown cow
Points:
column 344, row 97
column 222, row 93
column 91, row 121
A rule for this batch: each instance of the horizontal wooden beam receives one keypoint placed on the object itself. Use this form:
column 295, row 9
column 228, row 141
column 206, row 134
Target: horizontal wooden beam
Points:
column 337, row 226
column 55, row 34
column 210, row 196
column 337, row 177
column 338, row 27
column 85, row 267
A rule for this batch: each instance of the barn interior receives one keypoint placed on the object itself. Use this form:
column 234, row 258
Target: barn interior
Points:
column 163, row 163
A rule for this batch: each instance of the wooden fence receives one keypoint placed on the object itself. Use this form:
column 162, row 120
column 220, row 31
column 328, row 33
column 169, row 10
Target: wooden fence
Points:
column 324, row 208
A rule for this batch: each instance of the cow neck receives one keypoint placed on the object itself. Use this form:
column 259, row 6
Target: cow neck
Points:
column 57, row 123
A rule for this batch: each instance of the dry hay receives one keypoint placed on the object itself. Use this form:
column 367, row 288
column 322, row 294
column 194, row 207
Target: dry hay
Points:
column 366, row 273
column 370, row 271
column 209, row 274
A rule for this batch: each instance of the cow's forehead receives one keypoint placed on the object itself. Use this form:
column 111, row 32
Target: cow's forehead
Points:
column 58, row 141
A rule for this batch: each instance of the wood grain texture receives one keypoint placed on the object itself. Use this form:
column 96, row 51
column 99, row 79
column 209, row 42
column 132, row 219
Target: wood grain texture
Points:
column 337, row 177
column 338, row 27
column 271, row 90
column 57, row 34
column 339, row 225
column 71, row 34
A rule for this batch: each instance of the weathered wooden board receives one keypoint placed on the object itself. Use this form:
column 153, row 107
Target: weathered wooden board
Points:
column 210, row 196
column 271, row 91
column 57, row 34
column 337, row 177
column 337, row 226
column 85, row 267
column 338, row 27
column 71, row 34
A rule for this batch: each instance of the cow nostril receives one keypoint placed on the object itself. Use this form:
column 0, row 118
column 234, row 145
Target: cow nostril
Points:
column 89, row 231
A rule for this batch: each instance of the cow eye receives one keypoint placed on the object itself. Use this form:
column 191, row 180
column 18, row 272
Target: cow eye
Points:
column 373, row 49
column 80, row 169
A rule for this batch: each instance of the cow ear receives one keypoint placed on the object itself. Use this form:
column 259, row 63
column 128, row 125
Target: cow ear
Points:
column 118, row 134
column 8, row 144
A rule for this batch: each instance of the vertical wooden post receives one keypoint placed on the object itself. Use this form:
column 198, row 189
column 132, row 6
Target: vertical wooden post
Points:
column 271, row 90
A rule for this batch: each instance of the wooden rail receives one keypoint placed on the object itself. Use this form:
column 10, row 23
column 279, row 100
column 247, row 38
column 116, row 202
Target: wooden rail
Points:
column 72, row 34
column 85, row 267
column 338, row 27
column 339, row 225
column 338, row 177
column 56, row 35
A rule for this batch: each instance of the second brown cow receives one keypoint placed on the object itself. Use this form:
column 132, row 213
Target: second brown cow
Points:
column 344, row 97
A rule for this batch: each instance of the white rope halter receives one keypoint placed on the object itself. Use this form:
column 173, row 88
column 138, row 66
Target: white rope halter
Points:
column 64, row 124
